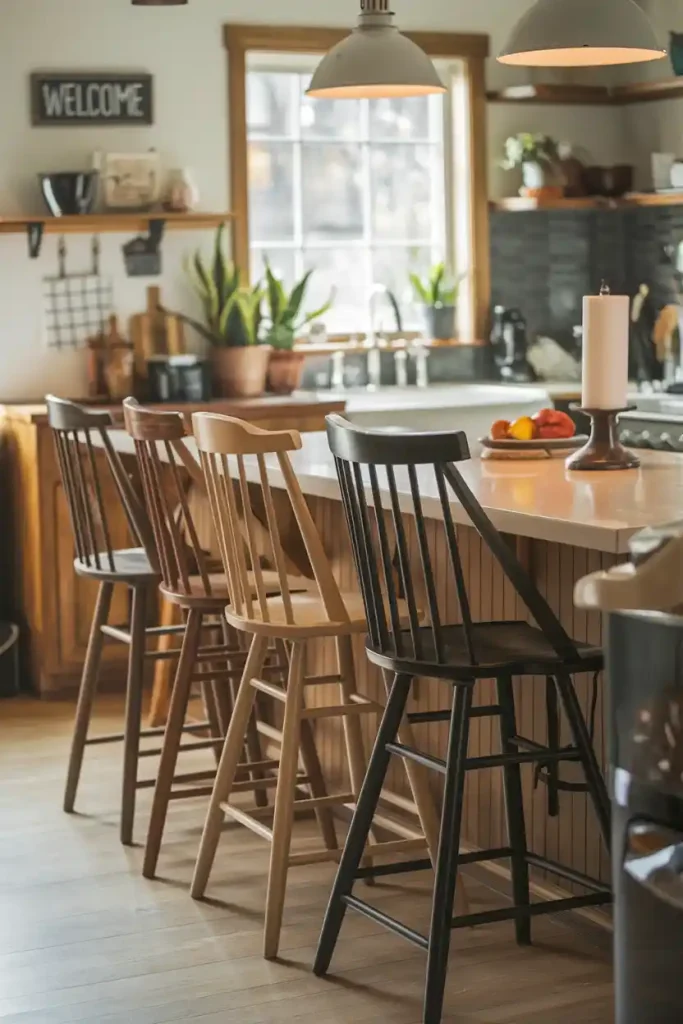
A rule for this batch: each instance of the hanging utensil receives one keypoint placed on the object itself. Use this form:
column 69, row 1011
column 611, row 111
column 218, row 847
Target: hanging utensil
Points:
column 76, row 306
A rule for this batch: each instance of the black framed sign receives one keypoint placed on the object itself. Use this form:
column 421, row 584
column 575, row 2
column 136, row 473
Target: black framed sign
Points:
column 60, row 98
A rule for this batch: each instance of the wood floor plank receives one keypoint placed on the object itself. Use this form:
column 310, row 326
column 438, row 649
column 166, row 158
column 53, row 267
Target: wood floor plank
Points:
column 84, row 939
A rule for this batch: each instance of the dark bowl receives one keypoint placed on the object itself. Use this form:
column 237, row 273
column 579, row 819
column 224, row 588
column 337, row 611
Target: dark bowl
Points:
column 68, row 193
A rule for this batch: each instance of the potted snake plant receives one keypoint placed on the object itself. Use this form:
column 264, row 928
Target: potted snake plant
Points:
column 284, row 320
column 437, row 293
column 232, row 323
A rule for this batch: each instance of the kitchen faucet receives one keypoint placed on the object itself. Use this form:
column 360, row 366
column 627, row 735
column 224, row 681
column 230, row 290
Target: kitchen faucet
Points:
column 372, row 342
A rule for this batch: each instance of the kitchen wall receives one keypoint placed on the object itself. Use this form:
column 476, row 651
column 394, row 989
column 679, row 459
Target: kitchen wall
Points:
column 182, row 47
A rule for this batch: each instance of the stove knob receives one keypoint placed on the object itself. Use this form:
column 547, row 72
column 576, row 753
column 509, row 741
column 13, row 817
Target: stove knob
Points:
column 666, row 442
column 626, row 437
column 643, row 439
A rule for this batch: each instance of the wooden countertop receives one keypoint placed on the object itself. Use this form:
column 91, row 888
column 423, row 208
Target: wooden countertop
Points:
column 540, row 500
column 299, row 403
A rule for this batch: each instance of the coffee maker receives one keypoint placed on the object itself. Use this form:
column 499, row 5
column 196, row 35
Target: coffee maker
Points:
column 642, row 600
column 509, row 343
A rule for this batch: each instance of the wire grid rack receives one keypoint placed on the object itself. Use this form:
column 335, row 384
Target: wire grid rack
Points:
column 76, row 306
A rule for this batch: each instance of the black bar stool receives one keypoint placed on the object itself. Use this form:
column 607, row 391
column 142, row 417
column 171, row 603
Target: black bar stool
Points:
column 460, row 654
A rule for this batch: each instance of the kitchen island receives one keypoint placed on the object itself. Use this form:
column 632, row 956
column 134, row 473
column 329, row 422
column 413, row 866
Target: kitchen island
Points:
column 562, row 526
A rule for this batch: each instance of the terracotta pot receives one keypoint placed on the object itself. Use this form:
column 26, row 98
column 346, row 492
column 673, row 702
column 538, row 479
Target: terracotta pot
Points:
column 240, row 372
column 284, row 371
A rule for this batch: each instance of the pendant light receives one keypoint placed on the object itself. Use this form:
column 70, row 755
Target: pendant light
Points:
column 582, row 33
column 375, row 61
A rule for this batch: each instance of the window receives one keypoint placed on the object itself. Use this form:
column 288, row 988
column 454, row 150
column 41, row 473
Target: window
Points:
column 354, row 189
column 360, row 191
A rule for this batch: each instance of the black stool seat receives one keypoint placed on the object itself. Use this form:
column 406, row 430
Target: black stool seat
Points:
column 510, row 648
column 119, row 566
column 395, row 573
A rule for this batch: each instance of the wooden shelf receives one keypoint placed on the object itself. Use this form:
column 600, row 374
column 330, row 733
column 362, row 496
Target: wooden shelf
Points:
column 589, row 95
column 520, row 204
column 644, row 92
column 102, row 223
column 548, row 93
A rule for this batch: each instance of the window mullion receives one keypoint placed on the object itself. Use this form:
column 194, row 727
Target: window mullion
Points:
column 297, row 167
column 367, row 204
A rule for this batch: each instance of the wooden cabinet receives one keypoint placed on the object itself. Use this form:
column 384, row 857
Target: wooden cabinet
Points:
column 53, row 606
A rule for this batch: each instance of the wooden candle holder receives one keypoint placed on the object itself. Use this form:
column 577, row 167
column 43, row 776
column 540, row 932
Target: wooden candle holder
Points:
column 603, row 449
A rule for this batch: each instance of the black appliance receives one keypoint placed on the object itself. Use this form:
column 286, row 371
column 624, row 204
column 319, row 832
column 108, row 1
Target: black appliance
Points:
column 184, row 378
column 645, row 667
column 509, row 343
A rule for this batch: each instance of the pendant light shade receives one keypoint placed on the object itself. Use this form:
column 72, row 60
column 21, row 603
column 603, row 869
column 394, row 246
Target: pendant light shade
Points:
column 375, row 61
column 582, row 33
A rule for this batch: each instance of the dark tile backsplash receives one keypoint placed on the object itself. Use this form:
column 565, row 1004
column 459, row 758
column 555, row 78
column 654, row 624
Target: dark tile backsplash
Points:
column 545, row 262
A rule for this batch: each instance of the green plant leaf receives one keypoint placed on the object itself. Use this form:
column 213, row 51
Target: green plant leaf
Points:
column 228, row 306
column 316, row 313
column 397, row 310
column 421, row 292
column 435, row 280
column 276, row 297
column 297, row 297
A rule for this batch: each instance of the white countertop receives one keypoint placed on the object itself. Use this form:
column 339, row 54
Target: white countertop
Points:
column 541, row 500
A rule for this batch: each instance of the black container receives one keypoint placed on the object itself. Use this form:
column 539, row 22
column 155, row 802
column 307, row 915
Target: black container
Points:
column 178, row 379
column 68, row 193
column 645, row 663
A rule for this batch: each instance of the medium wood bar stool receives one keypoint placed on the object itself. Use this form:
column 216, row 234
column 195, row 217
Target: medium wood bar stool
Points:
column 191, row 582
column 409, row 467
column 294, row 618
column 80, row 434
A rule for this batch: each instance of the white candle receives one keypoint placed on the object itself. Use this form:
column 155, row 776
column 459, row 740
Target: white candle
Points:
column 605, row 351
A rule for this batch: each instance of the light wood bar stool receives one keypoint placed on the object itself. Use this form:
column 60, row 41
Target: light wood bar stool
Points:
column 80, row 435
column 323, row 611
column 191, row 582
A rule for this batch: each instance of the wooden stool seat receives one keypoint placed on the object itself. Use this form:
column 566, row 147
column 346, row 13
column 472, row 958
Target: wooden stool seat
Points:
column 309, row 617
column 119, row 566
column 515, row 648
column 220, row 591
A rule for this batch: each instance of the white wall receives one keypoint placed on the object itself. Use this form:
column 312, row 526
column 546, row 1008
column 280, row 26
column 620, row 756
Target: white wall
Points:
column 182, row 48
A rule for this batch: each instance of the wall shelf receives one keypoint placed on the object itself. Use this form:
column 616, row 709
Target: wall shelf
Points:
column 156, row 222
column 520, row 204
column 589, row 95
column 548, row 93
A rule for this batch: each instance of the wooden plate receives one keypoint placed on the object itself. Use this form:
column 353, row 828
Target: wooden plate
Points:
column 542, row 444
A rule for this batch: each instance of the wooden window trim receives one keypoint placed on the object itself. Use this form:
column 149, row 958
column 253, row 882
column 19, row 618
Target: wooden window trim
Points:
column 471, row 49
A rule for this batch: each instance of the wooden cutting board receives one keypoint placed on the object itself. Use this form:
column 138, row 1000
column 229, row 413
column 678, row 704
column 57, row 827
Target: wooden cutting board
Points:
column 155, row 333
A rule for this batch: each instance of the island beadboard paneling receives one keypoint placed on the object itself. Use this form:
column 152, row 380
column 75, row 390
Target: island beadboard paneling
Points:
column 572, row 837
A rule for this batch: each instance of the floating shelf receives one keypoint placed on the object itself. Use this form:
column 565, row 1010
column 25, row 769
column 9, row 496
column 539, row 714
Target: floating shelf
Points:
column 589, row 95
column 101, row 223
column 520, row 204
column 547, row 93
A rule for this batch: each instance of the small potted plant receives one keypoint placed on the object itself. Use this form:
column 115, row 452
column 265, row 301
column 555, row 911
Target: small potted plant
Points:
column 538, row 157
column 232, row 323
column 284, row 320
column 437, row 293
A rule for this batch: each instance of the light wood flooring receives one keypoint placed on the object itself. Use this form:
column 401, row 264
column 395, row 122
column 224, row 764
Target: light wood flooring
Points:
column 84, row 938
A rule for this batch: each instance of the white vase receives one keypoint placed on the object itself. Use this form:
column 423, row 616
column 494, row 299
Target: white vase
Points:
column 534, row 174
column 182, row 195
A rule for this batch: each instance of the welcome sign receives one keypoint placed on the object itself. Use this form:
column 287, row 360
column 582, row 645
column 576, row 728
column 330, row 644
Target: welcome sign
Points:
column 61, row 98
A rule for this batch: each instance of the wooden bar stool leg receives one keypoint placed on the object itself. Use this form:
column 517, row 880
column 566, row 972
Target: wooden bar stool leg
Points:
column 313, row 769
column 180, row 697
column 227, row 769
column 252, row 748
column 161, row 688
column 361, row 823
column 86, row 693
column 353, row 735
column 514, row 809
column 131, row 742
column 284, row 802
column 447, row 861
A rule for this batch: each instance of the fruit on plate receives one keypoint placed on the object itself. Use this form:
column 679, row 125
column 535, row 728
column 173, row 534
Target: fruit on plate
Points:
column 551, row 423
column 500, row 430
column 523, row 429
